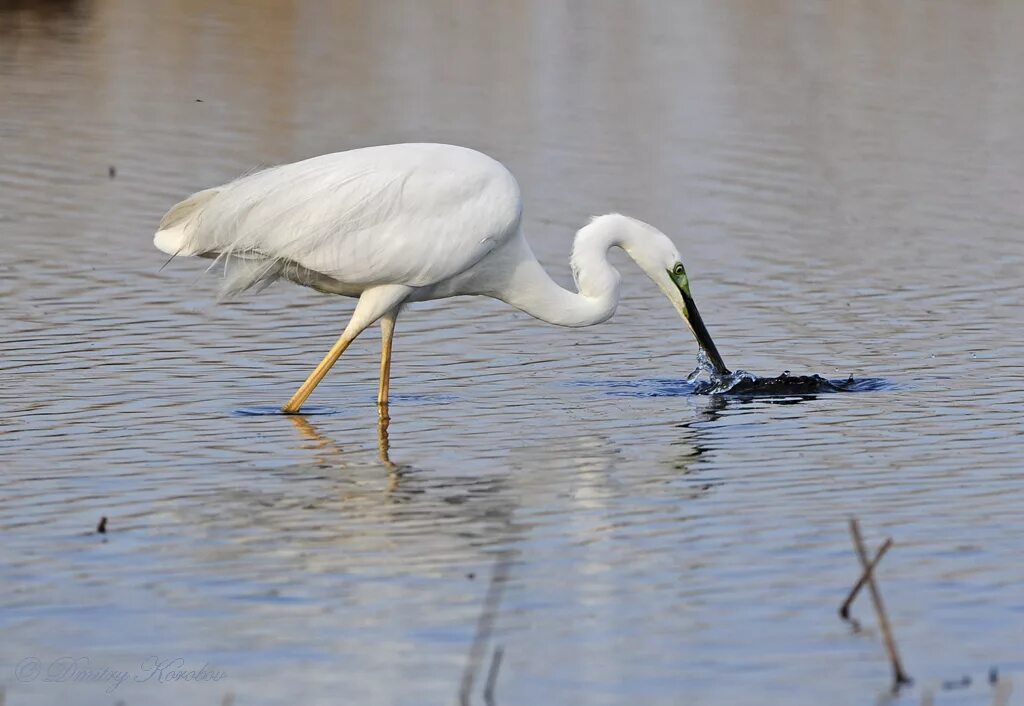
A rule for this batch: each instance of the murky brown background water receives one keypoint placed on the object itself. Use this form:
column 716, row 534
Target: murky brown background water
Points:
column 846, row 182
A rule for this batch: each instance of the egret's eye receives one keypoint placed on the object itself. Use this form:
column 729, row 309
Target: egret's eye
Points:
column 678, row 270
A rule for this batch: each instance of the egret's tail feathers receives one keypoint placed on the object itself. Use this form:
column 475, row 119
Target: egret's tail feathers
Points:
column 244, row 273
column 178, row 226
column 186, row 230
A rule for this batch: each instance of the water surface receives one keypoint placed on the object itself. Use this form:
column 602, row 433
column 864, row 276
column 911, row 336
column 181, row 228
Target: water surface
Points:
column 846, row 185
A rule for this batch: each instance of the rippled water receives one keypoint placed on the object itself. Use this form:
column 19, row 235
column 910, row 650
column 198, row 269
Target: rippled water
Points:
column 846, row 184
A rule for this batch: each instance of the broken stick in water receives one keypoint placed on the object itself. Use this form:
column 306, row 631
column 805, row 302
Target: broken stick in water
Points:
column 484, row 627
column 900, row 677
column 844, row 610
column 492, row 675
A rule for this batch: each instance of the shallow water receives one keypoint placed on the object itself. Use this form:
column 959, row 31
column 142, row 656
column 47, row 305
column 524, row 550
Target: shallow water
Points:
column 845, row 184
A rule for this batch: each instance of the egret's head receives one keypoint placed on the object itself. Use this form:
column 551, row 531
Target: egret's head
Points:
column 658, row 257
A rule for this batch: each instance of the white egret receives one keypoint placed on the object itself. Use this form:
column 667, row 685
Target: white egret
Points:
column 405, row 223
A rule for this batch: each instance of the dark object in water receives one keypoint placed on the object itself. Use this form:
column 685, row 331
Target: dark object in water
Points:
column 961, row 683
column 102, row 526
column 112, row 171
column 743, row 384
column 787, row 384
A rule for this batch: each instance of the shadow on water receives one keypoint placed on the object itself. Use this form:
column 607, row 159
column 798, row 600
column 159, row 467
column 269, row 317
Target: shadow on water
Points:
column 312, row 410
column 44, row 26
column 58, row 18
column 44, row 9
column 318, row 410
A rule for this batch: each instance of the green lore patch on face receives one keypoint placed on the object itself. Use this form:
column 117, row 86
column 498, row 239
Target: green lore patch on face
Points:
column 678, row 275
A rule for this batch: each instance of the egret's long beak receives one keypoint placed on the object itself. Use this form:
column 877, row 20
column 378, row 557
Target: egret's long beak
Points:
column 700, row 331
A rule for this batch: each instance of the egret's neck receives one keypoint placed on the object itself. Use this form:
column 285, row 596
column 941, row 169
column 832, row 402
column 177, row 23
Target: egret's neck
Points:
column 529, row 288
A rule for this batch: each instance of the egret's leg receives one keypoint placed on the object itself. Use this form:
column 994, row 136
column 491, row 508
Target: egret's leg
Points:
column 317, row 375
column 387, row 335
column 373, row 303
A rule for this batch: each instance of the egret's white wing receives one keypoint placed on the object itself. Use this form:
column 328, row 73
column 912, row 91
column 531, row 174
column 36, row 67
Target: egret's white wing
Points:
column 401, row 214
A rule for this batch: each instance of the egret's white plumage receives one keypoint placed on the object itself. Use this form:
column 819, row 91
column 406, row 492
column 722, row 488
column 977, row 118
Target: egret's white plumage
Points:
column 399, row 214
column 412, row 222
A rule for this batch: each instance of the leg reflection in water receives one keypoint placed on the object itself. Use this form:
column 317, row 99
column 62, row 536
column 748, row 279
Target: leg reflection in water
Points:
column 330, row 454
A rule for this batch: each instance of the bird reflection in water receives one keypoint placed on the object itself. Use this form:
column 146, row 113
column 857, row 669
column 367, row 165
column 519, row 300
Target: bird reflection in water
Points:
column 472, row 513
column 331, row 454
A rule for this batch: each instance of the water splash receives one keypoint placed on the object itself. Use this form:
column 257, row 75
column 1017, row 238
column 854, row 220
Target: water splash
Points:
column 743, row 383
column 704, row 365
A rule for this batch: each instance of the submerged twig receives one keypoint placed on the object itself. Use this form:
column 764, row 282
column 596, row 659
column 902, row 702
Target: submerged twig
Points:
column 961, row 683
column 492, row 675
column 900, row 677
column 844, row 610
column 484, row 628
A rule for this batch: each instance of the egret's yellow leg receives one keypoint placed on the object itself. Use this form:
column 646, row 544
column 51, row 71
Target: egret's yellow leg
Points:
column 387, row 335
column 300, row 396
column 374, row 303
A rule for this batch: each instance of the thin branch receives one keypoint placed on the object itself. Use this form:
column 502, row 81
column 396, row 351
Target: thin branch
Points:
column 485, row 625
column 844, row 610
column 899, row 676
column 492, row 675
